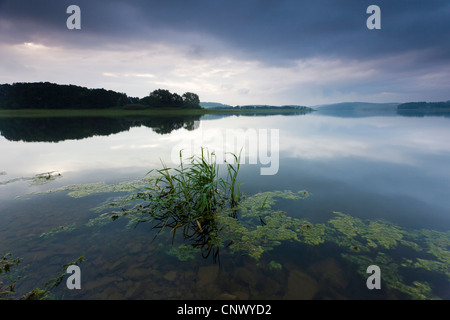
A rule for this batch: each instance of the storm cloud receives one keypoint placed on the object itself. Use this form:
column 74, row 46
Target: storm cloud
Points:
column 230, row 51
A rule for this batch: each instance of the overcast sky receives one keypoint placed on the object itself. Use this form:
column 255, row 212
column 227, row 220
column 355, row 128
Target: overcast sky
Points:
column 234, row 51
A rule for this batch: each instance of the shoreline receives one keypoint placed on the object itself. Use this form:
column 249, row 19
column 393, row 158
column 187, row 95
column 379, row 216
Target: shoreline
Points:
column 38, row 113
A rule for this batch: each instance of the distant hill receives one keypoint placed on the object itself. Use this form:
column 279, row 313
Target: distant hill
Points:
column 357, row 105
column 214, row 105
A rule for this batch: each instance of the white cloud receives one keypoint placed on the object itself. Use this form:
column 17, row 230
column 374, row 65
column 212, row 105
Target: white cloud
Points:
column 139, row 68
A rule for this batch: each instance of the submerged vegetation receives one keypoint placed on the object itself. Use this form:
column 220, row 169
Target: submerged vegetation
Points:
column 8, row 281
column 203, row 211
column 189, row 198
column 38, row 179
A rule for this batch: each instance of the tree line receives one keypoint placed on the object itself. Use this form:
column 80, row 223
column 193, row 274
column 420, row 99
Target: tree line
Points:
column 162, row 98
column 424, row 105
column 45, row 95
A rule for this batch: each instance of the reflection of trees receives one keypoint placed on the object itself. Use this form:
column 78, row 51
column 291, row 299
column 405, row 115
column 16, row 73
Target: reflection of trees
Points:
column 60, row 129
column 165, row 125
column 424, row 109
column 423, row 113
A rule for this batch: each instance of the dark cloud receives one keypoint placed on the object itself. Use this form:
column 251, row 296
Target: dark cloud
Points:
column 279, row 49
column 269, row 30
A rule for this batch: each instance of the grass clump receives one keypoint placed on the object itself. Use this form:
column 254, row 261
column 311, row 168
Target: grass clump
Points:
column 189, row 197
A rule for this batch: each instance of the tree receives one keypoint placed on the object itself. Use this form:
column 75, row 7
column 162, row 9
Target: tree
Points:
column 45, row 95
column 160, row 98
column 177, row 101
column 191, row 100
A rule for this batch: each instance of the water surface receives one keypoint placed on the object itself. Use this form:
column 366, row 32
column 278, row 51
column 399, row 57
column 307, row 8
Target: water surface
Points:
column 389, row 168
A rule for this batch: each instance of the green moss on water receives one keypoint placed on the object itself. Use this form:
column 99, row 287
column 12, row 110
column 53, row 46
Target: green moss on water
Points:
column 273, row 265
column 265, row 200
column 438, row 244
column 36, row 180
column 184, row 252
column 432, row 265
column 372, row 234
column 382, row 234
column 260, row 228
column 391, row 277
column 314, row 234
column 411, row 245
column 84, row 190
column 346, row 224
column 58, row 230
column 255, row 226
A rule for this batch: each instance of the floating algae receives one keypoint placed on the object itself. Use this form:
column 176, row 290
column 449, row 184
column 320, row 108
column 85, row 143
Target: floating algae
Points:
column 260, row 228
column 432, row 265
column 38, row 179
column 58, row 230
column 84, row 190
column 254, row 204
column 391, row 277
column 352, row 233
column 382, row 233
column 312, row 234
column 367, row 235
column 134, row 215
column 255, row 226
column 183, row 252
column 273, row 265
column 439, row 244
column 346, row 224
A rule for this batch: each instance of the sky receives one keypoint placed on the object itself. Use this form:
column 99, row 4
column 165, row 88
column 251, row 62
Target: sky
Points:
column 235, row 52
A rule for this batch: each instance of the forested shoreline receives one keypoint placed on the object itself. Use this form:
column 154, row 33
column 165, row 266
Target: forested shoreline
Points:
column 424, row 105
column 46, row 95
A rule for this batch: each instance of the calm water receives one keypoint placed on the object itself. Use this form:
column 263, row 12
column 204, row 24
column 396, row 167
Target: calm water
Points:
column 373, row 168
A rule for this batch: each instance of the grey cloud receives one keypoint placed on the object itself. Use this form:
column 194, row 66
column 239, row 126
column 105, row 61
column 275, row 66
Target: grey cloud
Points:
column 412, row 43
column 269, row 30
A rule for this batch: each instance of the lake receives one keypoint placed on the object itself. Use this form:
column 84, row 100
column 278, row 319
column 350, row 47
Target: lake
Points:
column 326, row 197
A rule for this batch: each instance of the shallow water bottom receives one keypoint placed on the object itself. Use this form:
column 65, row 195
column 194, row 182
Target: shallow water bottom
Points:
column 124, row 263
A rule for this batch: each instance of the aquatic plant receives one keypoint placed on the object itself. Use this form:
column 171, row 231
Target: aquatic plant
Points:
column 192, row 191
column 354, row 232
column 259, row 228
column 207, row 209
column 382, row 233
column 57, row 230
column 53, row 283
column 6, row 263
column 8, row 291
column 273, row 265
column 186, row 199
column 38, row 179
column 346, row 224
column 418, row 290
column 84, row 190
column 183, row 252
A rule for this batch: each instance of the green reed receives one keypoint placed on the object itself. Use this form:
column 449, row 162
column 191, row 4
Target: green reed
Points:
column 188, row 197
